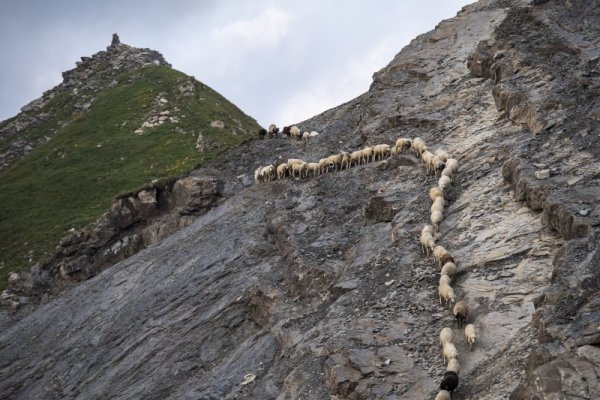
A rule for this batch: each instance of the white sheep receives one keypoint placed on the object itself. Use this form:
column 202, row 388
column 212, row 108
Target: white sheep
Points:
column 453, row 365
column 268, row 173
column 443, row 395
column 335, row 161
column 442, row 256
column 436, row 219
column 438, row 205
column 314, row 168
column 427, row 158
column 441, row 154
column 427, row 242
column 258, row 177
column 419, row 146
column 395, row 151
column 367, row 155
column 452, row 165
column 471, row 335
column 449, row 269
column 445, row 336
column 403, row 144
column 355, row 157
column 381, row 151
column 282, row 170
column 461, row 312
column 296, row 165
column 346, row 159
column 305, row 136
column 435, row 192
column 437, row 164
column 445, row 280
column 446, row 293
column 313, row 134
column 444, row 182
column 449, row 351
column 295, row 133
column 427, row 228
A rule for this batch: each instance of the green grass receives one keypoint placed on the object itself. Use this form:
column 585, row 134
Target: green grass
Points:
column 70, row 180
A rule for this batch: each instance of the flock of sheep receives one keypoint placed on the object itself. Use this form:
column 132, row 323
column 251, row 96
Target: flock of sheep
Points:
column 439, row 163
column 292, row 132
column 297, row 168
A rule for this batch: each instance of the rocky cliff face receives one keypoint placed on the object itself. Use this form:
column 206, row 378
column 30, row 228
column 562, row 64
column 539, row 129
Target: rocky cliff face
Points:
column 317, row 288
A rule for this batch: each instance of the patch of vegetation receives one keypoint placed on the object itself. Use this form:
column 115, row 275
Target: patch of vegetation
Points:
column 92, row 157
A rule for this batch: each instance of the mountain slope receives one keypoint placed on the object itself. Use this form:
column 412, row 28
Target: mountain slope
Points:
column 112, row 126
column 318, row 289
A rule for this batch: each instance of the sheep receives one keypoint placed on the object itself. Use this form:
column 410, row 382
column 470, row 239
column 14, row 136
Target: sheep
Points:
column 445, row 280
column 438, row 205
column 286, row 131
column 471, row 335
column 427, row 242
column 268, row 172
column 335, row 160
column 273, row 131
column 295, row 132
column 427, row 228
column 443, row 395
column 449, row 351
column 447, row 293
column 324, row 164
column 452, row 165
column 427, row 158
column 438, row 251
column 435, row 192
column 314, row 168
column 355, row 157
column 403, row 144
column 445, row 336
column 442, row 256
column 296, row 165
column 449, row 381
column 453, row 365
column 441, row 154
column 282, row 170
column 258, row 176
column 436, row 219
column 345, row 160
column 444, row 182
column 461, row 312
column 395, row 150
column 449, row 269
column 381, row 151
column 419, row 146
column 367, row 155
column 313, row 134
column 262, row 132
column 437, row 165
column 305, row 136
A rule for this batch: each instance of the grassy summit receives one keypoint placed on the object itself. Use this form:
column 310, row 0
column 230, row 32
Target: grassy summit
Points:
column 69, row 180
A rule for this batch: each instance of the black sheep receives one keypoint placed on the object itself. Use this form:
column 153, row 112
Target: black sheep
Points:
column 262, row 132
column 449, row 381
column 286, row 131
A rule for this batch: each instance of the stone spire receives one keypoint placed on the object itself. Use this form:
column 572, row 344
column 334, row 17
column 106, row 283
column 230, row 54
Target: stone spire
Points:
column 115, row 40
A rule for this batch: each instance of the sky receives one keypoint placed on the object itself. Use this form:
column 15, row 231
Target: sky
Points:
column 280, row 61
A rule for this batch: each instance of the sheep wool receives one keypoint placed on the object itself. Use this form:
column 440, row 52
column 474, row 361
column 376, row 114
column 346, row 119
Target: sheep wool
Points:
column 444, row 182
column 443, row 395
column 446, row 293
column 461, row 312
column 436, row 219
column 435, row 192
column 445, row 336
column 450, row 351
column 471, row 335
column 453, row 365
column 449, row 269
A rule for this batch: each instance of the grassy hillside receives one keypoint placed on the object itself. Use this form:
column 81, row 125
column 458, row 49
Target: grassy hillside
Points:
column 70, row 180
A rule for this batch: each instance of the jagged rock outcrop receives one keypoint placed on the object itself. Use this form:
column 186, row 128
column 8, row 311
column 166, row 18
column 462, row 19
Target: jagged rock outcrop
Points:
column 317, row 288
column 90, row 76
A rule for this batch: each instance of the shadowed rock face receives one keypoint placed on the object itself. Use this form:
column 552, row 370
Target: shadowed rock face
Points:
column 318, row 287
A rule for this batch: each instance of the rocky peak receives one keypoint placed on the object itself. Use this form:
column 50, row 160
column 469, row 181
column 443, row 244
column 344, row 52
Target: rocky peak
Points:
column 91, row 75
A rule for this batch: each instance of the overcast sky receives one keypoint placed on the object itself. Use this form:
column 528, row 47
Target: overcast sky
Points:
column 279, row 61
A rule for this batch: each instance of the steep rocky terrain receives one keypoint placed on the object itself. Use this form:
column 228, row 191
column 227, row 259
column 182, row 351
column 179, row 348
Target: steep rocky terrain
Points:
column 317, row 289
